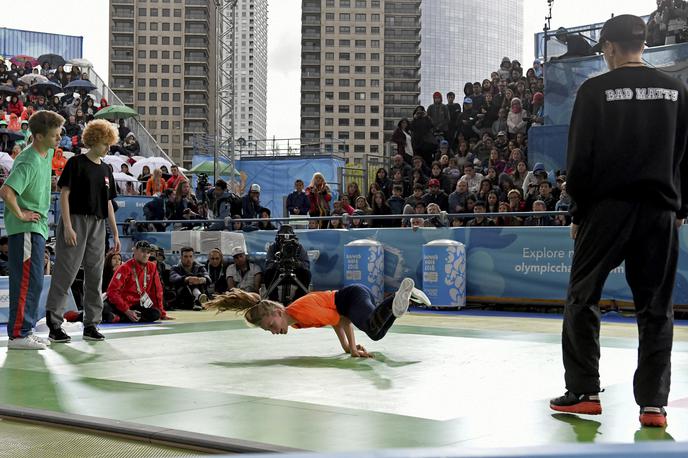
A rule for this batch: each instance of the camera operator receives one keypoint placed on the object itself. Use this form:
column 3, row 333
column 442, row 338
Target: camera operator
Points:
column 287, row 255
column 202, row 187
column 222, row 203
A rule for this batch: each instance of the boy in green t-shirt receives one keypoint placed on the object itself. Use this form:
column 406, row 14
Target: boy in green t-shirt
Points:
column 26, row 193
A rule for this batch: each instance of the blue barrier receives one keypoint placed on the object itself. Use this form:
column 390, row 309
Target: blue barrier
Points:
column 504, row 264
column 5, row 298
column 563, row 78
column 547, row 144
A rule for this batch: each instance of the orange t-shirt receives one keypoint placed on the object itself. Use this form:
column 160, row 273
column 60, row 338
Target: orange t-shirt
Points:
column 314, row 310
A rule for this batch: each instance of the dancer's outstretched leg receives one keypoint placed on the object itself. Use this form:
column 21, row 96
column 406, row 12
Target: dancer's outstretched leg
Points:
column 356, row 302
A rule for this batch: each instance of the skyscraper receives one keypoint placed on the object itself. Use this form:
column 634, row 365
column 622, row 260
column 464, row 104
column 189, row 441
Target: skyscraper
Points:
column 345, row 63
column 465, row 40
column 251, row 72
column 163, row 60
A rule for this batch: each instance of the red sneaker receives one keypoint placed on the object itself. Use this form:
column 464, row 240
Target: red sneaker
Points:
column 588, row 404
column 653, row 416
column 71, row 316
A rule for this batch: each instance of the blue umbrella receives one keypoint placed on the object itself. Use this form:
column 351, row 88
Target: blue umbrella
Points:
column 43, row 87
column 7, row 90
column 79, row 85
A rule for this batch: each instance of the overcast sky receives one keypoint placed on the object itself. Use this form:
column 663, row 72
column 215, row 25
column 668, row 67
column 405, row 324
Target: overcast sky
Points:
column 89, row 18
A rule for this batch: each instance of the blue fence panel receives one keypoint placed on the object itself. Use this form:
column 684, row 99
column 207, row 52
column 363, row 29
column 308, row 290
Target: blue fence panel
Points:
column 547, row 144
column 14, row 42
column 563, row 78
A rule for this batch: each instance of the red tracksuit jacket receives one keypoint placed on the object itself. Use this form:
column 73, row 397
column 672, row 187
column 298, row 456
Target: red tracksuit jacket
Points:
column 122, row 292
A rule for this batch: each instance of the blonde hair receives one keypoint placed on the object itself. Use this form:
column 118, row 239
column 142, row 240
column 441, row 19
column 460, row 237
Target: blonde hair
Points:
column 99, row 131
column 242, row 302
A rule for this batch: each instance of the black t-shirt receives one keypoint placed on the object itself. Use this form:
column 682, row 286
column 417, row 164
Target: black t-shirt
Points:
column 628, row 140
column 91, row 186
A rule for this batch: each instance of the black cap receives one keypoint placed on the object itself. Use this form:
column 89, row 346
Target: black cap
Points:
column 144, row 245
column 625, row 27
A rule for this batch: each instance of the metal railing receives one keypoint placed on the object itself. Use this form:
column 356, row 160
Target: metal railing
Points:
column 149, row 146
column 444, row 217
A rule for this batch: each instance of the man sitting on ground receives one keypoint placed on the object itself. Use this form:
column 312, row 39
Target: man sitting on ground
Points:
column 243, row 274
column 190, row 280
column 135, row 293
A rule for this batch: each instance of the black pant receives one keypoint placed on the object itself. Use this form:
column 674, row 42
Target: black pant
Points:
column 184, row 296
column 356, row 302
column 303, row 275
column 646, row 238
column 147, row 315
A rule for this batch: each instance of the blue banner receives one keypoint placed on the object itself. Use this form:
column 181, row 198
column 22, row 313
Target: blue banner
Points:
column 276, row 177
column 511, row 264
column 563, row 78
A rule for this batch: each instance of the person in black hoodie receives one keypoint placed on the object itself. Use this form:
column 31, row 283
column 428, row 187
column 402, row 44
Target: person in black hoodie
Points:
column 638, row 117
column 424, row 143
column 384, row 182
column 380, row 207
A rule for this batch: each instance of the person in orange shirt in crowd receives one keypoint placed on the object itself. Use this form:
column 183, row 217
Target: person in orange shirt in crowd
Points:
column 350, row 306
column 155, row 184
column 59, row 162
column 176, row 177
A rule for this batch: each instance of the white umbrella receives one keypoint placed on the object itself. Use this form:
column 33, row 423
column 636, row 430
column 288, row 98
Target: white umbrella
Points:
column 80, row 62
column 152, row 163
column 138, row 158
column 33, row 78
column 115, row 161
column 67, row 154
column 6, row 161
column 119, row 176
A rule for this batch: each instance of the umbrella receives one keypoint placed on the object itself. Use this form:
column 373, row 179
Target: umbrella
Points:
column 44, row 86
column 115, row 161
column 7, row 90
column 78, row 85
column 12, row 135
column 152, row 163
column 80, row 62
column 207, row 168
column 67, row 154
column 22, row 59
column 6, row 161
column 116, row 112
column 53, row 59
column 119, row 176
column 33, row 78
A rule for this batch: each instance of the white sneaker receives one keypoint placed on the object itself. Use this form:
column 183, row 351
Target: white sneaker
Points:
column 419, row 297
column 400, row 303
column 45, row 342
column 25, row 343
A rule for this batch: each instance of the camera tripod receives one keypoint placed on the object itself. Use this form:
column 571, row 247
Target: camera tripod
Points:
column 285, row 278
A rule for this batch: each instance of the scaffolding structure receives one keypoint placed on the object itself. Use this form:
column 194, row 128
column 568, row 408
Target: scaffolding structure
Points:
column 225, row 46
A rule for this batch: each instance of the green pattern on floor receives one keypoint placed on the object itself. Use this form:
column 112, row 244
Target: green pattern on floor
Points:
column 20, row 439
column 435, row 381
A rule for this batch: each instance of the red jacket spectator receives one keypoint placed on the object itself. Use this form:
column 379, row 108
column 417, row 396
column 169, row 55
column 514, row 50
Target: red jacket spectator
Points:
column 122, row 292
column 15, row 106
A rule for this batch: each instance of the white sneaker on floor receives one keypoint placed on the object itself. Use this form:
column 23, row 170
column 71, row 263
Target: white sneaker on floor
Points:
column 400, row 304
column 45, row 342
column 419, row 297
column 25, row 343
